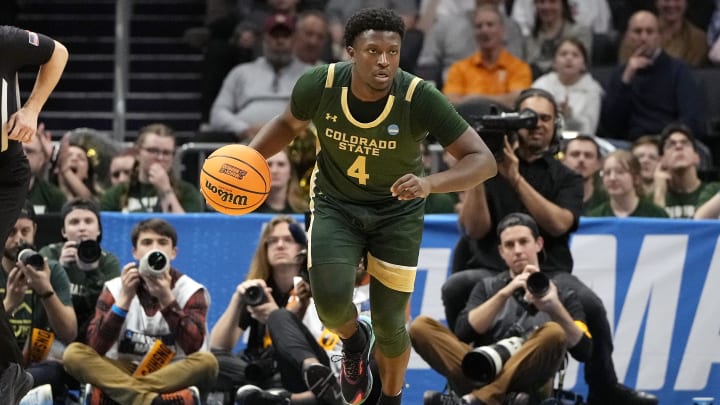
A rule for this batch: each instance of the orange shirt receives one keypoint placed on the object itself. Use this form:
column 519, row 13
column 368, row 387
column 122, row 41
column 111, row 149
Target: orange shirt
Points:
column 471, row 76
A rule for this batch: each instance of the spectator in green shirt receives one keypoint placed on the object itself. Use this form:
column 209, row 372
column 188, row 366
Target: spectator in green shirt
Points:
column 622, row 181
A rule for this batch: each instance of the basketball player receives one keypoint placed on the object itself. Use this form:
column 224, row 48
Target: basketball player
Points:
column 368, row 192
column 19, row 48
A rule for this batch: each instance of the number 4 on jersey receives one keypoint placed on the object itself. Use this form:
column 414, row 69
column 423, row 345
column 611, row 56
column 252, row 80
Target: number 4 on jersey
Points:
column 357, row 170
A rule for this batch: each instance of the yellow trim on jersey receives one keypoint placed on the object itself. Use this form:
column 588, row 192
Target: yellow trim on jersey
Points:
column 330, row 76
column 378, row 120
column 583, row 327
column 393, row 276
column 411, row 88
column 311, row 207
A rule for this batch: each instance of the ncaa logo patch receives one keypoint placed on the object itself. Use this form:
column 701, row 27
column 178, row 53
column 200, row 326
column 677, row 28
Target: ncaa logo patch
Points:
column 393, row 129
column 33, row 38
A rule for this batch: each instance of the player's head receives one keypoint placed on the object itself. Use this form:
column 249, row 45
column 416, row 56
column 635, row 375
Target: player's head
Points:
column 373, row 38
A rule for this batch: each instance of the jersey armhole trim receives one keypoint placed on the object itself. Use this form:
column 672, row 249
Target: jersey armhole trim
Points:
column 411, row 88
column 330, row 76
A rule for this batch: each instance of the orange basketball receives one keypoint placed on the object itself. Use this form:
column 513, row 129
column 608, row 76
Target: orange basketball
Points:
column 235, row 179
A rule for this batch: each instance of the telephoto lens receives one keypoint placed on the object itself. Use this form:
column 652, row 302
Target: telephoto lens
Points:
column 154, row 264
column 538, row 284
column 29, row 257
column 254, row 295
column 88, row 251
column 485, row 362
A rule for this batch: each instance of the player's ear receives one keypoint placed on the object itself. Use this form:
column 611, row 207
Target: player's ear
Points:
column 350, row 51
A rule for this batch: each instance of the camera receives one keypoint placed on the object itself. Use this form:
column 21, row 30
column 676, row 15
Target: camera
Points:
column 254, row 295
column 494, row 126
column 538, row 284
column 154, row 264
column 29, row 257
column 483, row 363
column 88, row 251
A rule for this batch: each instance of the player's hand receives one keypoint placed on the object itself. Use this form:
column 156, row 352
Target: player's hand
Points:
column 129, row 280
column 410, row 186
column 509, row 167
column 22, row 125
column 68, row 254
column 159, row 178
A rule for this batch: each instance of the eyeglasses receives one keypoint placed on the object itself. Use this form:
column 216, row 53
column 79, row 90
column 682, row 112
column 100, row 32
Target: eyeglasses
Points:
column 118, row 173
column 159, row 152
column 275, row 240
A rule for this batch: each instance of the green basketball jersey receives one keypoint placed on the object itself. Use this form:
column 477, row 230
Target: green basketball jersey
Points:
column 359, row 161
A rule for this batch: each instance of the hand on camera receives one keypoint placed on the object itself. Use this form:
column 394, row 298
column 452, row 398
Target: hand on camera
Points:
column 15, row 289
column 159, row 286
column 68, row 254
column 509, row 167
column 548, row 303
column 36, row 279
column 130, row 279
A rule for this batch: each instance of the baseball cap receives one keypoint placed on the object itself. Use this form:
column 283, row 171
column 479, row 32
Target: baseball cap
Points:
column 518, row 219
column 279, row 21
column 28, row 211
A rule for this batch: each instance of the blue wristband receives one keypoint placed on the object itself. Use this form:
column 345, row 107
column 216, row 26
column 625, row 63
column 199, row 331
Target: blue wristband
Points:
column 118, row 311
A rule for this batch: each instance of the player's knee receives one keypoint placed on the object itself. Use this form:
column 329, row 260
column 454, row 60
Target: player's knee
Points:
column 391, row 339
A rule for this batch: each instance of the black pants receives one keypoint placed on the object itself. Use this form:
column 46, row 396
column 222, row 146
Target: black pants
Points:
column 53, row 373
column 599, row 370
column 14, row 182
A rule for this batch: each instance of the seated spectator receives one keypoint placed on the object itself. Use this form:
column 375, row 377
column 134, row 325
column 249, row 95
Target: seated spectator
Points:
column 621, row 179
column 680, row 38
column 553, row 22
column 582, row 154
column 443, row 45
column 138, row 311
column 652, row 89
column 678, row 188
column 87, row 271
column 647, row 150
column 121, row 166
column 491, row 72
column 74, row 172
column 36, row 297
column 153, row 187
column 285, row 195
column 709, row 210
column 312, row 38
column 254, row 92
column 580, row 95
column 594, row 14
column 273, row 268
column 88, row 266
column 555, row 324
column 45, row 196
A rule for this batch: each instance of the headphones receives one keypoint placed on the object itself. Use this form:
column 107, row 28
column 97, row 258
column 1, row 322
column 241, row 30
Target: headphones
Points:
column 558, row 122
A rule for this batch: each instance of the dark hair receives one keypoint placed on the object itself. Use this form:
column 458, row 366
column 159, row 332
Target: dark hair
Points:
column 156, row 225
column 671, row 129
column 377, row 19
column 82, row 204
column 586, row 138
column 566, row 15
column 578, row 44
column 557, row 122
column 28, row 211
column 518, row 219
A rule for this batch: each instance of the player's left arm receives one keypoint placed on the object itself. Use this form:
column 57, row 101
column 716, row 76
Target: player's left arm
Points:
column 278, row 133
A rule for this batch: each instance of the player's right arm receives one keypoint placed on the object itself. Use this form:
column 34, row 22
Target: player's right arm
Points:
column 282, row 129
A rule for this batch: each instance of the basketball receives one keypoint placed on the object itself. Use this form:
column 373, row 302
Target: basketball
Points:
column 235, row 179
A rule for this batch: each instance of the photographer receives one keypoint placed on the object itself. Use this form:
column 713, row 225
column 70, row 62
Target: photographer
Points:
column 35, row 296
column 273, row 269
column 531, row 180
column 548, row 321
column 88, row 266
column 148, row 317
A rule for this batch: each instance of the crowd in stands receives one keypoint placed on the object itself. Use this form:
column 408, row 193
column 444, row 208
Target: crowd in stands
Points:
column 536, row 54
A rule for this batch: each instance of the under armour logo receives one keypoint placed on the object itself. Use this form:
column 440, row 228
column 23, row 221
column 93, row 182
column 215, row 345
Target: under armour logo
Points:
column 329, row 117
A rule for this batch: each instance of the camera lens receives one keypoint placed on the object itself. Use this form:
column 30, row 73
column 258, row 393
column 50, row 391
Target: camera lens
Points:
column 538, row 284
column 88, row 251
column 254, row 295
column 154, row 263
column 32, row 258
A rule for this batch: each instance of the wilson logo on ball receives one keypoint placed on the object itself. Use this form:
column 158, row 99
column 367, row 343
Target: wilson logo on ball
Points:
column 235, row 179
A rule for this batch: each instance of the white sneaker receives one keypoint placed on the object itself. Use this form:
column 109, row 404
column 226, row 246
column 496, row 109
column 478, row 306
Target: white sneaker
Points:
column 41, row 395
